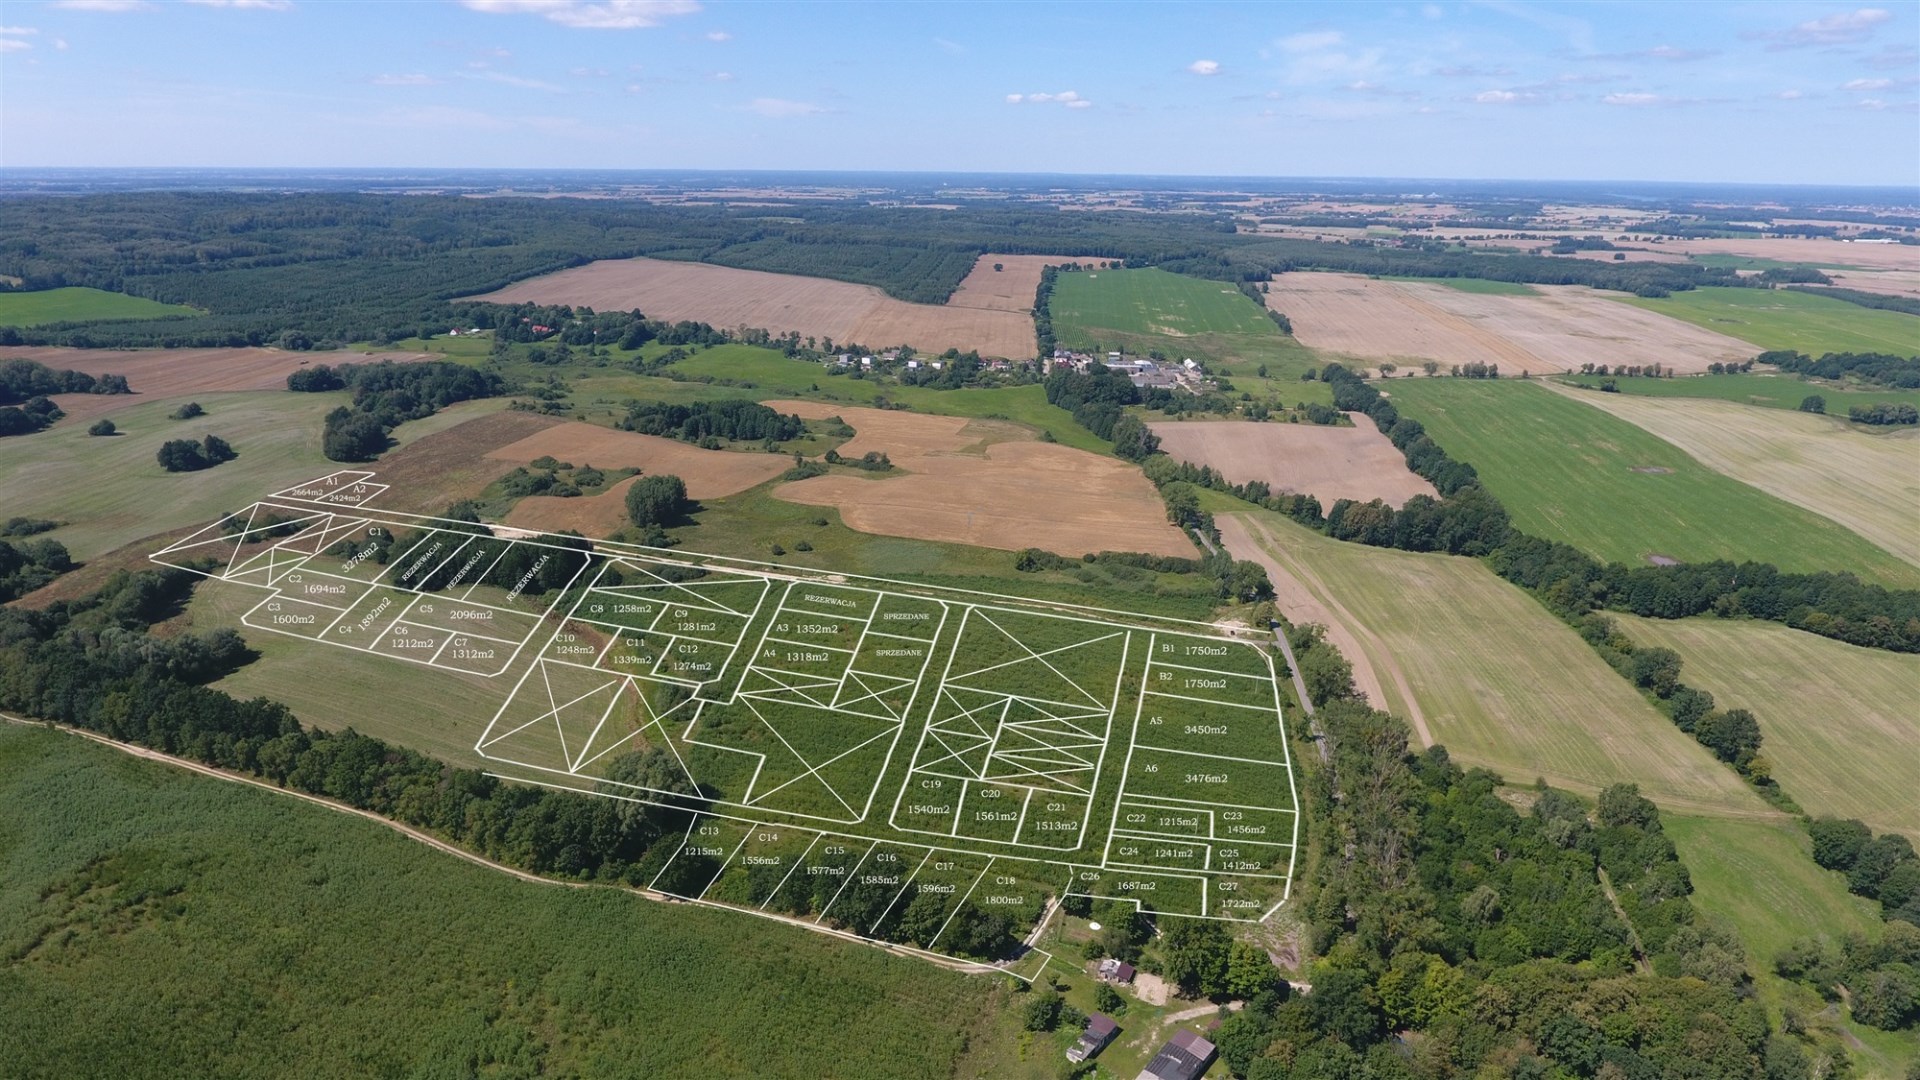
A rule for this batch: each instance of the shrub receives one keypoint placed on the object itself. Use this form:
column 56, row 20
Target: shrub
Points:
column 103, row 427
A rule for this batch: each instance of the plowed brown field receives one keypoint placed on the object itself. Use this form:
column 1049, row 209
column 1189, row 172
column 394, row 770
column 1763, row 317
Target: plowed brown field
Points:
column 157, row 373
column 974, row 482
column 1557, row 330
column 990, row 311
column 1327, row 462
column 709, row 474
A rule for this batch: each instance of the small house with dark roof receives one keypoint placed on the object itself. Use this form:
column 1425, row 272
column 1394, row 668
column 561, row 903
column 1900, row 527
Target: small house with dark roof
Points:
column 1099, row 1032
column 1185, row 1057
column 1116, row 971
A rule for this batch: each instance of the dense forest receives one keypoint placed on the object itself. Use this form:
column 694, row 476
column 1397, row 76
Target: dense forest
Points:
column 303, row 269
column 1462, row 935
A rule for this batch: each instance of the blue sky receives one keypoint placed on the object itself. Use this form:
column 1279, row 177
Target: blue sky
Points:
column 1765, row 92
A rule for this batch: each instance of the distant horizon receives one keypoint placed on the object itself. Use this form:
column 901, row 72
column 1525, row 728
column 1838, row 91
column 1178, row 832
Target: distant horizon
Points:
column 1090, row 180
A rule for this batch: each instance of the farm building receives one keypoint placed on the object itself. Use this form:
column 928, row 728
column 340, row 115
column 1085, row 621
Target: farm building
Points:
column 1099, row 1031
column 1185, row 1057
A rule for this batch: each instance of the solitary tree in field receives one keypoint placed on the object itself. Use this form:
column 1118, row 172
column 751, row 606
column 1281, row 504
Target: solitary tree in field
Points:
column 1813, row 403
column 103, row 427
column 656, row 500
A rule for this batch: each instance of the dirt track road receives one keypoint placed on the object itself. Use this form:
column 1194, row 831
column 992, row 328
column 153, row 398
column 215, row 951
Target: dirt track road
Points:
column 1303, row 600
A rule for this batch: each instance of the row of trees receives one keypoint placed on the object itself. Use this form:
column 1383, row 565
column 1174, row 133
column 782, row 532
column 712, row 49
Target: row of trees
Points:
column 1884, row 414
column 1885, row 369
column 22, row 379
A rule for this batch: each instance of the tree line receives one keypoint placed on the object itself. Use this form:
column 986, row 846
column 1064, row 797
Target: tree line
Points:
column 1883, row 369
column 328, row 268
column 25, row 565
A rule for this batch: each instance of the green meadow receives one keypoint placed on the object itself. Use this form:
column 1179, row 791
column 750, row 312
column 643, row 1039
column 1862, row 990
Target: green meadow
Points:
column 75, row 304
column 155, row 923
column 1777, row 319
column 1763, row 391
column 1579, row 475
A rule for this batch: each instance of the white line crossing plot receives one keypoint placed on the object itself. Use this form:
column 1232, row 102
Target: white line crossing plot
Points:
column 449, row 595
column 918, row 764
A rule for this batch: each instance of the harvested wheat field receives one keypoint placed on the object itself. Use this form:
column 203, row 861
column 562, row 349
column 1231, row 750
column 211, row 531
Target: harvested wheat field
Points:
column 1868, row 482
column 1799, row 249
column 710, row 474
column 1559, row 329
column 1010, row 288
column 1890, row 282
column 1330, row 463
column 781, row 303
column 435, row 470
column 158, row 373
column 988, row 484
column 1479, row 667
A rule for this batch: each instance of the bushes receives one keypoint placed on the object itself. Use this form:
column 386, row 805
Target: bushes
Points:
column 188, row 411
column 103, row 427
column 1884, row 414
column 185, row 455
column 32, row 415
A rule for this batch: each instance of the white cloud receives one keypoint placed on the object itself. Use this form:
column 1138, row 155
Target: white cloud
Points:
column 606, row 15
column 1204, row 67
column 1431, row 11
column 103, row 5
column 951, row 48
column 781, row 108
column 1498, row 97
column 1842, row 28
column 1868, row 84
column 722, row 76
column 415, row 79
column 17, row 31
column 1312, row 41
column 249, row 5
column 14, row 45
column 1872, row 104
column 588, row 73
column 1790, row 95
column 60, row 44
column 1633, row 99
column 522, row 82
column 719, row 35
column 1068, row 98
